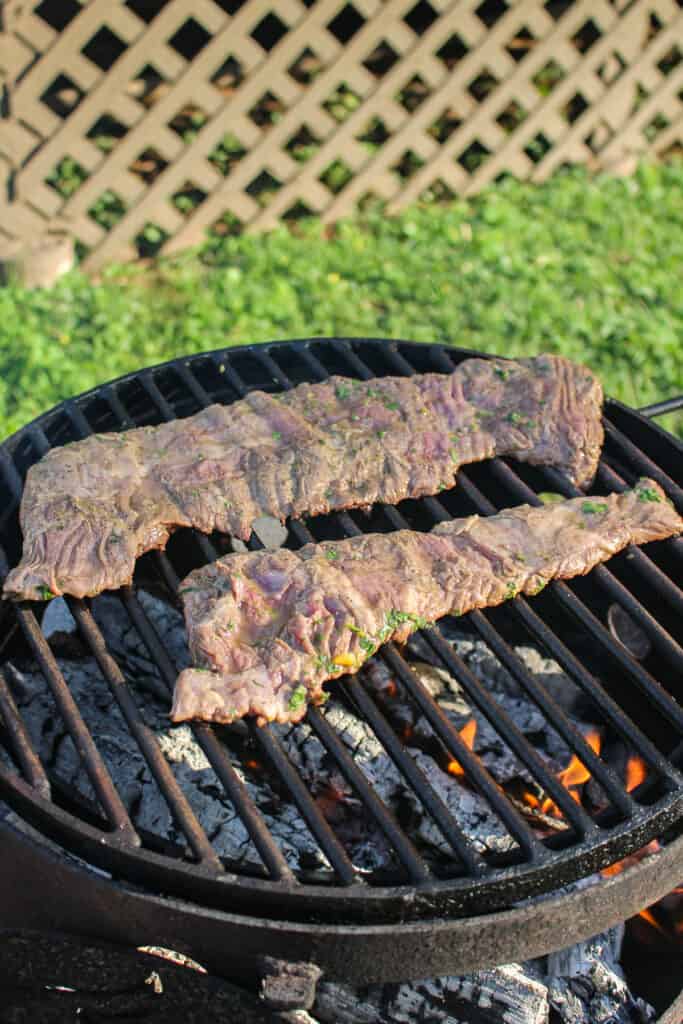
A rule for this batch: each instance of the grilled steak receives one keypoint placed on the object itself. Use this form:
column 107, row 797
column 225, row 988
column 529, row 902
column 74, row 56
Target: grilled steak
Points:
column 269, row 628
column 92, row 507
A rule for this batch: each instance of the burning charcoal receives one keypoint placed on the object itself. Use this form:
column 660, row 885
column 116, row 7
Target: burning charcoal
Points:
column 586, row 984
column 470, row 810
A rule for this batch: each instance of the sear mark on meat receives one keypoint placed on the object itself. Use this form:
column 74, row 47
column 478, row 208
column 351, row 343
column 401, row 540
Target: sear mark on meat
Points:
column 91, row 508
column 267, row 629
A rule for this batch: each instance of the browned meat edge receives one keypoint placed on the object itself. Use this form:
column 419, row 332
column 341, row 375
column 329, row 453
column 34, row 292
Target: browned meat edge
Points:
column 267, row 629
column 91, row 508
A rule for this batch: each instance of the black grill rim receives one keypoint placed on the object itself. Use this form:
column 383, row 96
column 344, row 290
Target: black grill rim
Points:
column 118, row 851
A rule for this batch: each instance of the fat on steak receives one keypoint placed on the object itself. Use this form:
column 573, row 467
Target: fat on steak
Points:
column 267, row 629
column 91, row 508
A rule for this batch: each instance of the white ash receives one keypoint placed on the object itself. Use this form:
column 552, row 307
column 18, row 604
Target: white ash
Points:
column 580, row 985
column 361, row 837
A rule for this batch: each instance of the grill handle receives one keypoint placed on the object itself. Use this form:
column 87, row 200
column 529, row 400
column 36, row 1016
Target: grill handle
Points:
column 660, row 408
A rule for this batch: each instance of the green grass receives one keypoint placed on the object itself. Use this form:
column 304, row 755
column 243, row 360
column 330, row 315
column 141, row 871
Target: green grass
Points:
column 589, row 267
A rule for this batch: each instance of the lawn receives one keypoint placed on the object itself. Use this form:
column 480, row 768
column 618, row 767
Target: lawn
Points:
column 589, row 267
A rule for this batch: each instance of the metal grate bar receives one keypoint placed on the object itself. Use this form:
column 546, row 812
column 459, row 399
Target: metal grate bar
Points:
column 563, row 656
column 471, row 859
column 267, row 848
column 638, row 560
column 474, row 769
column 86, row 749
column 662, row 640
column 448, row 734
column 148, row 382
column 14, row 483
column 600, row 771
column 269, row 851
column 403, row 761
column 601, row 573
column 568, row 599
column 661, row 408
column 314, row 818
column 405, row 850
column 28, row 760
column 401, row 365
column 110, row 394
column 168, row 785
column 317, row 823
column 192, row 384
column 272, row 369
column 384, row 819
column 496, row 715
column 503, row 808
column 550, row 708
column 644, row 464
column 515, row 740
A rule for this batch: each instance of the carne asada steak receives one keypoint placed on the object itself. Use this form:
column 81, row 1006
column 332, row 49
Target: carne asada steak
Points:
column 268, row 628
column 92, row 507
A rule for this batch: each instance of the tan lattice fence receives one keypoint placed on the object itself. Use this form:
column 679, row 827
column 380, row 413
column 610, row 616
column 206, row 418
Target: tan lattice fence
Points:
column 143, row 125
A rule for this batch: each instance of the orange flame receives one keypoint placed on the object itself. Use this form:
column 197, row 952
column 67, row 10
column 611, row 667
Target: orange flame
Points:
column 636, row 772
column 648, row 916
column 467, row 735
column 253, row 764
column 574, row 775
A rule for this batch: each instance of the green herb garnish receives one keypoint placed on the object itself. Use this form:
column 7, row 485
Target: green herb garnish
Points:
column 511, row 590
column 297, row 699
column 45, row 594
column 648, row 494
column 594, row 507
column 549, row 497
column 276, row 435
column 331, row 554
column 381, row 434
column 500, row 372
column 342, row 391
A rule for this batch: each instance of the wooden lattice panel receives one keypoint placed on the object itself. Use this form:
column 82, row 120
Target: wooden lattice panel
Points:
column 140, row 126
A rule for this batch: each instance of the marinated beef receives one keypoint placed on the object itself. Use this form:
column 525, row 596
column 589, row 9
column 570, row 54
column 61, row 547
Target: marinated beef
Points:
column 92, row 507
column 267, row 629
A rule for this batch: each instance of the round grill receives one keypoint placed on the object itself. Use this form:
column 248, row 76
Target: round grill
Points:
column 634, row 701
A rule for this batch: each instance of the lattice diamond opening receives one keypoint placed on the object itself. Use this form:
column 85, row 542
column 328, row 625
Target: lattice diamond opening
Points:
column 382, row 102
column 190, row 39
column 62, row 96
column 269, row 31
column 345, row 24
column 104, row 49
column 228, row 152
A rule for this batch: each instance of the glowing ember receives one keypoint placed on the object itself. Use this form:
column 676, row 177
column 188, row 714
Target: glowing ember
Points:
column 253, row 764
column 646, row 851
column 636, row 772
column 467, row 735
column 574, row 775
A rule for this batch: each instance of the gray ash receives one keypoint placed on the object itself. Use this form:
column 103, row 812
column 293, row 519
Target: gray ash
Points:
column 582, row 985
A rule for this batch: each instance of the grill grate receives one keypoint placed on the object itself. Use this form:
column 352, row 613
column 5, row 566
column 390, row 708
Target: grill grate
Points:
column 564, row 623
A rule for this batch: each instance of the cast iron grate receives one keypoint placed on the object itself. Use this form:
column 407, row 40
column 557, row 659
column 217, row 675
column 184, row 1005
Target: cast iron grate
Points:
column 636, row 700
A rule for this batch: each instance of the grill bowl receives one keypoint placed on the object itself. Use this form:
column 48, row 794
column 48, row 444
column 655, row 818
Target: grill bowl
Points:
column 636, row 701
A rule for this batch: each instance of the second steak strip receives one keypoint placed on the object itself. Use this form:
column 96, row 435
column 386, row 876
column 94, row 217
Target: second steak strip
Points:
column 269, row 628
column 92, row 507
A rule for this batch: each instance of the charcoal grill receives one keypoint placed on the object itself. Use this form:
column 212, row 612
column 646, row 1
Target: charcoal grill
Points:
column 415, row 921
